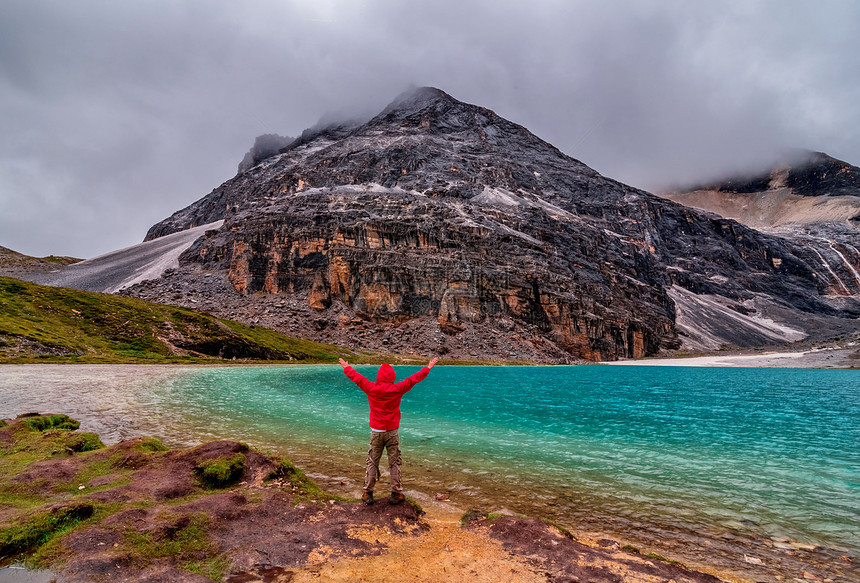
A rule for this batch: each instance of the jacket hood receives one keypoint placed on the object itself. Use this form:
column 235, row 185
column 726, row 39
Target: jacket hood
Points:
column 385, row 374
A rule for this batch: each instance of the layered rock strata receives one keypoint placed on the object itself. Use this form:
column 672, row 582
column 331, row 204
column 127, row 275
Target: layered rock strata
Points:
column 443, row 221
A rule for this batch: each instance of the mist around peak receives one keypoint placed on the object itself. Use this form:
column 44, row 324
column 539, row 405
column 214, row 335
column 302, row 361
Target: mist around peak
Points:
column 806, row 172
column 265, row 146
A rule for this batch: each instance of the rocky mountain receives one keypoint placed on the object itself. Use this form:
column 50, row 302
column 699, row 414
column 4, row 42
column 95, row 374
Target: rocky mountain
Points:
column 810, row 188
column 812, row 200
column 440, row 227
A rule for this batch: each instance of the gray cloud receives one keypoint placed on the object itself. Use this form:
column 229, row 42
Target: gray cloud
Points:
column 116, row 114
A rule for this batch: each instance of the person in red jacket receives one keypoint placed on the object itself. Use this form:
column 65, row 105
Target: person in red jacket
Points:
column 384, row 398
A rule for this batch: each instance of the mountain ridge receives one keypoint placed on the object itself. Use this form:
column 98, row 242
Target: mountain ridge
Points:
column 807, row 173
column 807, row 189
column 410, row 110
column 439, row 227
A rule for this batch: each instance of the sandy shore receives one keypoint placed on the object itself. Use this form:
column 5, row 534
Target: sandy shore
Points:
column 821, row 358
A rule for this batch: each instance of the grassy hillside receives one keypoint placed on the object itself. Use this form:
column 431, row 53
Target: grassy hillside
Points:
column 51, row 324
column 13, row 262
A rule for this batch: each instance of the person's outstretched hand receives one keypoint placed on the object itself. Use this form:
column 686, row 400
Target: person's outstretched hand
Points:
column 343, row 363
column 433, row 363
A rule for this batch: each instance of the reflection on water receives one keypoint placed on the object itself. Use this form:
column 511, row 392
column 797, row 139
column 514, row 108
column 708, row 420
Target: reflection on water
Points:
column 110, row 400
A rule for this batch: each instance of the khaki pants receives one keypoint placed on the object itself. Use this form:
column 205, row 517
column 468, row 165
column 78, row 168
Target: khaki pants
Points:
column 390, row 441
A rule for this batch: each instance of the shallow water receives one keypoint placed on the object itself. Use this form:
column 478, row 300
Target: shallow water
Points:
column 756, row 453
column 19, row 574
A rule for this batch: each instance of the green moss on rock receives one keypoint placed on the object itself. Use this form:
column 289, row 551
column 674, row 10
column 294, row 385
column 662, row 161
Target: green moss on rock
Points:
column 152, row 445
column 42, row 527
column 80, row 442
column 302, row 486
column 221, row 472
column 45, row 422
column 186, row 539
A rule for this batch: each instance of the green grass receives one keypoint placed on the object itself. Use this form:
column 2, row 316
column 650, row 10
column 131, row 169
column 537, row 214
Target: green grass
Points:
column 152, row 445
column 418, row 508
column 82, row 442
column 186, row 542
column 28, row 447
column 50, row 324
column 61, row 259
column 39, row 524
column 214, row 567
column 298, row 348
column 37, row 438
column 39, row 513
column 560, row 528
column 663, row 559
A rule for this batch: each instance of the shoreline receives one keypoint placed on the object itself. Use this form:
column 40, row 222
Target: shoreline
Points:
column 454, row 536
column 708, row 549
column 835, row 358
column 145, row 512
column 739, row 553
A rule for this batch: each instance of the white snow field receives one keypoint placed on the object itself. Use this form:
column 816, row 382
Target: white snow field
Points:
column 116, row 270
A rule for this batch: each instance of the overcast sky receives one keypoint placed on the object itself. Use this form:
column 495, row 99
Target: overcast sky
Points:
column 113, row 115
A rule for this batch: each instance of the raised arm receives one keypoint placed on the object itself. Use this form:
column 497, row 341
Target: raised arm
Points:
column 355, row 376
column 407, row 384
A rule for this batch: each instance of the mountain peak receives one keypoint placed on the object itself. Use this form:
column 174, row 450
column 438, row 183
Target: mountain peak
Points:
column 417, row 98
column 439, row 227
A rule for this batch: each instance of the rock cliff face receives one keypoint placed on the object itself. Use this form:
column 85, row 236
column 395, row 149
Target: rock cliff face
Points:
column 441, row 227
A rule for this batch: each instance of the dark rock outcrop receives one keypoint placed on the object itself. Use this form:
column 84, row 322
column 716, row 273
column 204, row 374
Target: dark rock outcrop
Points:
column 464, row 233
column 264, row 147
column 807, row 174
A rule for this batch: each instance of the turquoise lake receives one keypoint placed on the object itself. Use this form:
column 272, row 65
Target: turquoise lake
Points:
column 772, row 452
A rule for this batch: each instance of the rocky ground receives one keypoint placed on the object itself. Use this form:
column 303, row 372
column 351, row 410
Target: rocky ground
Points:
column 137, row 512
column 209, row 291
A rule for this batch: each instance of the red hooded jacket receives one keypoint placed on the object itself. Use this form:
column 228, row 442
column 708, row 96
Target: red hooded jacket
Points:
column 384, row 395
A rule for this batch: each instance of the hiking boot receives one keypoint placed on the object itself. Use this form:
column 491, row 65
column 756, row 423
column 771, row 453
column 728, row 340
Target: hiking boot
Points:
column 367, row 498
column 396, row 498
